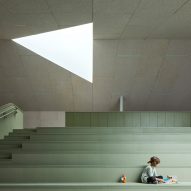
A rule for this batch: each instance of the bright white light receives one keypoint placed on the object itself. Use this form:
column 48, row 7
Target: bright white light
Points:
column 70, row 48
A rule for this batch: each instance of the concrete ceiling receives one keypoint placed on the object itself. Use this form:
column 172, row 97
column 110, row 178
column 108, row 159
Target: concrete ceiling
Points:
column 142, row 50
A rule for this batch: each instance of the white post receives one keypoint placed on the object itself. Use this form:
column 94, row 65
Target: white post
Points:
column 121, row 104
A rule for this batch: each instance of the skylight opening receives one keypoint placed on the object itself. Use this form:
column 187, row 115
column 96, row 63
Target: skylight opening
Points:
column 70, row 48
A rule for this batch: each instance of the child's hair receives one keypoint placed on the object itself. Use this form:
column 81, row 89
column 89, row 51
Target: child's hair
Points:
column 154, row 160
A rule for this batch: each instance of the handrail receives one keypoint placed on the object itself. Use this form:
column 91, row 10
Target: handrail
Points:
column 6, row 114
column 8, row 109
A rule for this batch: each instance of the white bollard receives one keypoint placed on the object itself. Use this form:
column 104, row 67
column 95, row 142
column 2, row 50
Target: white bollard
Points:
column 121, row 104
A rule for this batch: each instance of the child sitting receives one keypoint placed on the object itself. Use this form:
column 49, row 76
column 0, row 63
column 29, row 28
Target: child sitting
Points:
column 149, row 174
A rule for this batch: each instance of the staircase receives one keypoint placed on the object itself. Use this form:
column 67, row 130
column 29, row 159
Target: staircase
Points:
column 93, row 158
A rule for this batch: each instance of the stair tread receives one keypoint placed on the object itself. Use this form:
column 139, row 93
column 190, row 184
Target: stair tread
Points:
column 94, row 184
column 109, row 166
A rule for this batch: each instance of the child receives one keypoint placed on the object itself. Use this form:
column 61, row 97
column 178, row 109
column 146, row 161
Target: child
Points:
column 149, row 174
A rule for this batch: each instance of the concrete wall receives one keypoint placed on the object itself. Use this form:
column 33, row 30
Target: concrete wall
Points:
column 33, row 119
column 13, row 121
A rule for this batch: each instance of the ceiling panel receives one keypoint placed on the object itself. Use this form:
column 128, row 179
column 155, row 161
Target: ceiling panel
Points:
column 19, row 25
column 175, row 26
column 109, row 23
column 152, row 12
column 115, row 6
column 71, row 12
column 25, row 6
column 111, row 17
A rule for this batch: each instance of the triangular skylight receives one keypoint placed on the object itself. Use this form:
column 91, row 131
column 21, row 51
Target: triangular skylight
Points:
column 70, row 48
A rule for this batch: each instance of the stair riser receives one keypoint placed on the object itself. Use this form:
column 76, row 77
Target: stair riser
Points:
column 110, row 147
column 2, row 147
column 24, row 130
column 146, row 138
column 85, row 174
column 102, row 130
column 16, row 138
column 5, row 156
column 126, row 160
column 115, row 130
column 88, row 188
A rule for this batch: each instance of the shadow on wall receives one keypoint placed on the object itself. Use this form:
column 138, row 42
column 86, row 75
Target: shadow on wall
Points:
column 33, row 119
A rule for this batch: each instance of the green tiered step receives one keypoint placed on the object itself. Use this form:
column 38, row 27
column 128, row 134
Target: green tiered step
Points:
column 101, row 130
column 93, row 158
column 93, row 147
column 92, row 187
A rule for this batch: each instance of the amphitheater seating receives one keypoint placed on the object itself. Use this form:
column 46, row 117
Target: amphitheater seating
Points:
column 93, row 158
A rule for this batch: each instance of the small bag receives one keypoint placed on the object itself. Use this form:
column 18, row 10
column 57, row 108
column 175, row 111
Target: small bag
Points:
column 123, row 179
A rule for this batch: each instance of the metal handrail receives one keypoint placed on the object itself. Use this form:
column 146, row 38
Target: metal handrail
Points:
column 6, row 114
column 8, row 109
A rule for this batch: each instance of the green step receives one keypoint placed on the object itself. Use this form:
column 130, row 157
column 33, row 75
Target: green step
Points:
column 114, row 130
column 27, row 136
column 17, row 137
column 52, row 173
column 103, row 130
column 4, row 145
column 10, row 150
column 98, row 152
column 13, row 142
column 24, row 130
column 23, row 136
column 108, row 147
column 116, row 137
column 18, row 142
column 5, row 162
column 105, row 186
column 5, row 155
column 123, row 160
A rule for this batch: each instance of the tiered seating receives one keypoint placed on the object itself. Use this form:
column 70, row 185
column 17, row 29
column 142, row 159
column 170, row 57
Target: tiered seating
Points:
column 93, row 158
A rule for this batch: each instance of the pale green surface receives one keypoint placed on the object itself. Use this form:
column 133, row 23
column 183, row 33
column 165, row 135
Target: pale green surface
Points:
column 113, row 137
column 99, row 119
column 114, row 159
column 128, row 119
column 106, row 130
column 108, row 147
column 79, row 173
column 107, row 186
column 12, row 121
column 94, row 158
